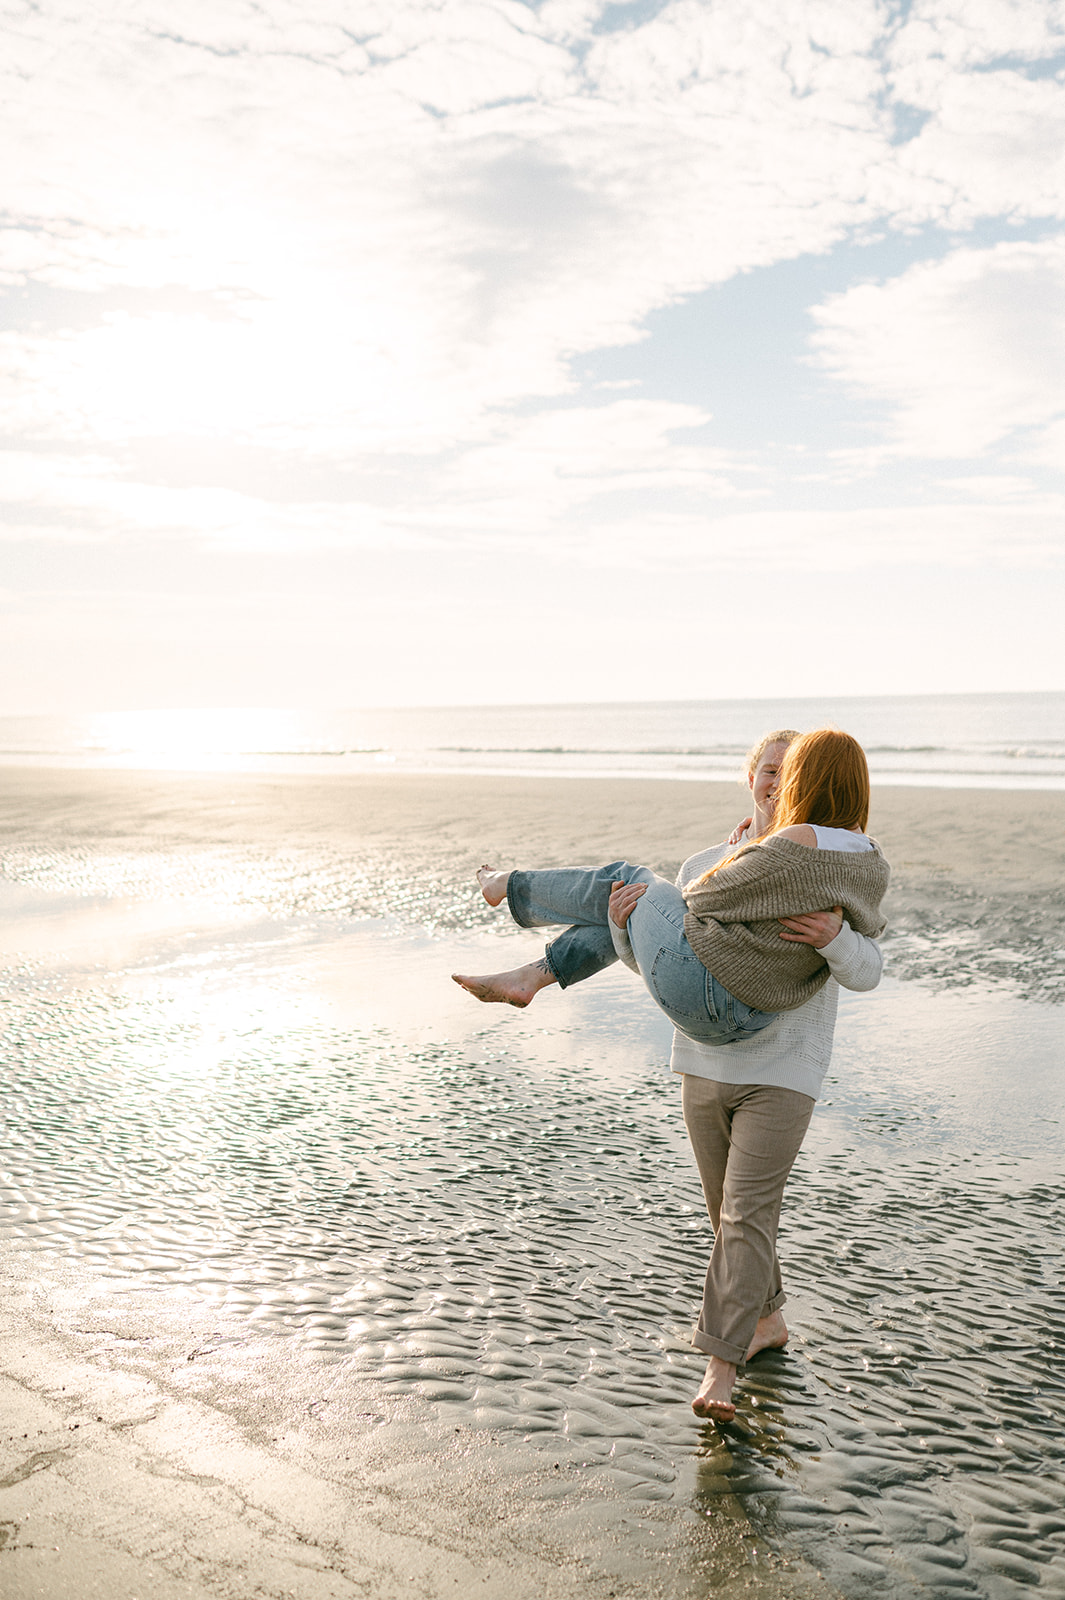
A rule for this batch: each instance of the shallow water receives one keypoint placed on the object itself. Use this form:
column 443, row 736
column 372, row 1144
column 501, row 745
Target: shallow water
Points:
column 980, row 740
column 218, row 1083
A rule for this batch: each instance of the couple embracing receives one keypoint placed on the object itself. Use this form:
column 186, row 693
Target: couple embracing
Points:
column 744, row 954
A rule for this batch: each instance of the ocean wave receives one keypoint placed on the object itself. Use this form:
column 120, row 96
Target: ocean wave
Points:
column 1046, row 750
column 1033, row 750
column 940, row 758
column 250, row 750
column 722, row 752
column 1012, row 741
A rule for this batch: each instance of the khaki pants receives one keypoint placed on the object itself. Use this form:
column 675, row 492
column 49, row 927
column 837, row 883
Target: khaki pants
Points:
column 745, row 1137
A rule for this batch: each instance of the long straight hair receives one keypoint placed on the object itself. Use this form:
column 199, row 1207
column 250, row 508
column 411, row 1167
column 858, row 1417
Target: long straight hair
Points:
column 824, row 779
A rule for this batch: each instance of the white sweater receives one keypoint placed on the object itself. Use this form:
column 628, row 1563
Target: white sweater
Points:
column 793, row 1051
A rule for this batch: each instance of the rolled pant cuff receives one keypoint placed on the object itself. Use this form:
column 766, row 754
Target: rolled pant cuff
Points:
column 511, row 905
column 718, row 1347
column 558, row 976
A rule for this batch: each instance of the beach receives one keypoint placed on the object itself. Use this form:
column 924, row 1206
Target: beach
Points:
column 392, row 1291
column 976, row 873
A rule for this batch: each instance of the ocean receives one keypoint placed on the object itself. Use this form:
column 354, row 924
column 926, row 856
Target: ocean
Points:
column 1004, row 741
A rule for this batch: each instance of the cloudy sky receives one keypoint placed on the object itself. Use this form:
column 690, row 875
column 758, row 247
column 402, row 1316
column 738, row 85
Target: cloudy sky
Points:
column 436, row 351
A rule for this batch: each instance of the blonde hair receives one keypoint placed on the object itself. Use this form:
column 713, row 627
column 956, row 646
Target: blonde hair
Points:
column 757, row 751
column 824, row 779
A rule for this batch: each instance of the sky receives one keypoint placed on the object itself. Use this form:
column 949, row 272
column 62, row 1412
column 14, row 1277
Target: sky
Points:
column 468, row 351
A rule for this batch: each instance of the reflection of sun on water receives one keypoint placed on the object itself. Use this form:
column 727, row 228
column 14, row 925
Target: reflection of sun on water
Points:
column 210, row 1022
column 190, row 739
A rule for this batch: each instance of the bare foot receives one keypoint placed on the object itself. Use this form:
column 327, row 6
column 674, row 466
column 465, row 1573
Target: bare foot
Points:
column 515, row 988
column 493, row 885
column 714, row 1399
column 770, row 1334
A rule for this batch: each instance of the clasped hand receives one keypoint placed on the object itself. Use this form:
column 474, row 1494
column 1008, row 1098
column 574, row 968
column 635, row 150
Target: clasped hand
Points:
column 813, row 927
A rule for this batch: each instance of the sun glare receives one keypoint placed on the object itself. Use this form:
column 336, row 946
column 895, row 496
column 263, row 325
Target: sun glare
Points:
column 314, row 372
column 193, row 739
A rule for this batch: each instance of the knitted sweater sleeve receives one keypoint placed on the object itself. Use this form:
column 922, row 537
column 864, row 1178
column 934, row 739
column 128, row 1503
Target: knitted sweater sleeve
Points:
column 623, row 946
column 853, row 960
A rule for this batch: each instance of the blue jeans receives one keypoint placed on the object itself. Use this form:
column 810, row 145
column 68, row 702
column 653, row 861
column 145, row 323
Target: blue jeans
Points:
column 690, row 996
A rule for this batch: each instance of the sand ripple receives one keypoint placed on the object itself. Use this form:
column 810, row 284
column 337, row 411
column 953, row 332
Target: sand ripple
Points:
column 948, row 934
column 525, row 1250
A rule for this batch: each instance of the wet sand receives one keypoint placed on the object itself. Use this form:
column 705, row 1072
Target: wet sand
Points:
column 976, row 873
column 321, row 1279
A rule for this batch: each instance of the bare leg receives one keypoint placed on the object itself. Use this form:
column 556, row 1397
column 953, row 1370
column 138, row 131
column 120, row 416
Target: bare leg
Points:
column 493, row 885
column 770, row 1334
column 515, row 988
column 714, row 1399
column 574, row 900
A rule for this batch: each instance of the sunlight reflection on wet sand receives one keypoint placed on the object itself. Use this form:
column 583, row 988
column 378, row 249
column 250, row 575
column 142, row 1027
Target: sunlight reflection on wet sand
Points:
column 304, row 1124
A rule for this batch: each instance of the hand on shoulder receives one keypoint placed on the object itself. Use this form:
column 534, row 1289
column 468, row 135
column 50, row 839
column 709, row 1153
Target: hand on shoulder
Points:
column 736, row 836
column 798, row 833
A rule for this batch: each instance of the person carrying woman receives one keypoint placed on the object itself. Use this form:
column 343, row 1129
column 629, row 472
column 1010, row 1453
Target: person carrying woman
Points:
column 748, row 1101
column 711, row 953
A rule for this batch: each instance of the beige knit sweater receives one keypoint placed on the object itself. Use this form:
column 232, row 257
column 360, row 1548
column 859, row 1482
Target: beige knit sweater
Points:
column 732, row 925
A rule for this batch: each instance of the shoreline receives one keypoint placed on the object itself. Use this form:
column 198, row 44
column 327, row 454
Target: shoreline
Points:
column 975, row 872
column 284, row 1310
column 703, row 802
column 325, row 769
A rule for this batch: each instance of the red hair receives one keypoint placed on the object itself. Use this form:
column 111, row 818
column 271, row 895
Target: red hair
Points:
column 824, row 779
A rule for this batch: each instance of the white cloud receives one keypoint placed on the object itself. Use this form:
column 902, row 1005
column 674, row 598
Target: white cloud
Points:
column 962, row 352
column 1048, row 450
column 993, row 139
column 540, row 473
column 992, row 487
column 531, row 481
column 460, row 184
column 594, row 489
column 940, row 38
column 956, row 534
column 421, row 212
column 368, row 240
column 995, row 146
column 78, row 499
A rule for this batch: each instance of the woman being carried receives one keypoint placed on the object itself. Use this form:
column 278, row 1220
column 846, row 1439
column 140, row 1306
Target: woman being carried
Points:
column 713, row 955
column 747, row 1105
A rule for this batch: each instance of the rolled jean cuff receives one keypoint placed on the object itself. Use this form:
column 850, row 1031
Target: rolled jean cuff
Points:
column 736, row 1353
column 559, row 977
column 774, row 1304
column 512, row 904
